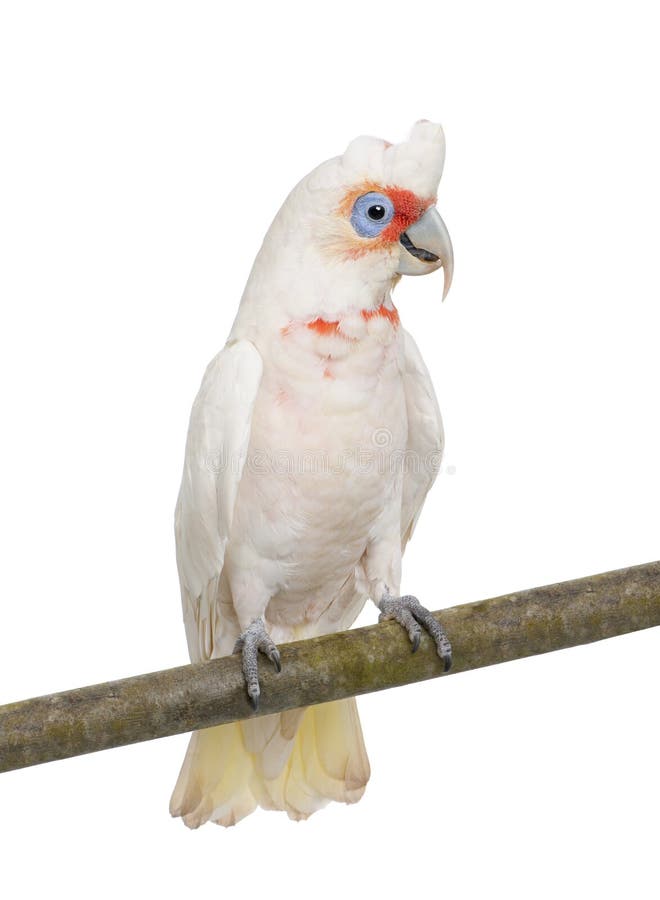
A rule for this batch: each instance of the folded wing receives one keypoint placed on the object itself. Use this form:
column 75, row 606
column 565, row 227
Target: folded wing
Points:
column 216, row 450
column 425, row 438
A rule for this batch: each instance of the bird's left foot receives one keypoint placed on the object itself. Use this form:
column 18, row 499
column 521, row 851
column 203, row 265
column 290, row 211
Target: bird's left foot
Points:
column 410, row 613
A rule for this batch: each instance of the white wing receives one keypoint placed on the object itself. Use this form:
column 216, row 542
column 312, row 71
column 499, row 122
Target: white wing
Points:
column 425, row 437
column 218, row 438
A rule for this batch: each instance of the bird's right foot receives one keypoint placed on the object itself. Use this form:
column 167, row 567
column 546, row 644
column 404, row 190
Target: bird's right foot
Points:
column 254, row 640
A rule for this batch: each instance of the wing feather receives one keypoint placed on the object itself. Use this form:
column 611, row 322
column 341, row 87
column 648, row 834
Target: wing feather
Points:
column 425, row 437
column 216, row 449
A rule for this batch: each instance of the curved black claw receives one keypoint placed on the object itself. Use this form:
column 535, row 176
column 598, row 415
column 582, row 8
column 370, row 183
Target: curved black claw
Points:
column 254, row 640
column 410, row 613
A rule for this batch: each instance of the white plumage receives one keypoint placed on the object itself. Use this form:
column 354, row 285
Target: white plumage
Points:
column 313, row 441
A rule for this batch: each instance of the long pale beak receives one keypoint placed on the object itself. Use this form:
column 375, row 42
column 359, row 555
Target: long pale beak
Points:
column 426, row 246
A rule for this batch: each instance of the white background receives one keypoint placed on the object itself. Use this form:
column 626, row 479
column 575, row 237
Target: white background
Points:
column 145, row 149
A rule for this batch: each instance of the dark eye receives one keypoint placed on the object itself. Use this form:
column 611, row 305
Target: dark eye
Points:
column 371, row 213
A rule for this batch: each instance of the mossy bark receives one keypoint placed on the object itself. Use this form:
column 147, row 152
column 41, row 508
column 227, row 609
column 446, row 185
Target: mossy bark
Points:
column 327, row 668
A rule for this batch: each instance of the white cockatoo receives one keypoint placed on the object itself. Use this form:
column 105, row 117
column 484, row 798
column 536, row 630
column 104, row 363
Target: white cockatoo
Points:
column 313, row 441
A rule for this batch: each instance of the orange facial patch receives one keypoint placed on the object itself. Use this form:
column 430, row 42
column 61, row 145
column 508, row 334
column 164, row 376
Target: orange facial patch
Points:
column 408, row 208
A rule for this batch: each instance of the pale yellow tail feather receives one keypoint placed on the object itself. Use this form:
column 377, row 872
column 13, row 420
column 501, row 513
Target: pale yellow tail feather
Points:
column 214, row 776
column 270, row 741
column 295, row 761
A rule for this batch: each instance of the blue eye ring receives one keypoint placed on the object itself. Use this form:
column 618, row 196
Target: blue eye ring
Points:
column 371, row 213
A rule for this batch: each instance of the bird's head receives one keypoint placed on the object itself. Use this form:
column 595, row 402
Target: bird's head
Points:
column 379, row 205
column 350, row 229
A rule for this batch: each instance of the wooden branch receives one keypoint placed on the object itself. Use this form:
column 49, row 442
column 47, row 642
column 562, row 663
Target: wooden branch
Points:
column 327, row 668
